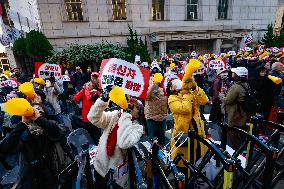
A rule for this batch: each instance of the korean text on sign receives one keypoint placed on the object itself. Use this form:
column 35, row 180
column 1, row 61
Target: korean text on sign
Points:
column 125, row 75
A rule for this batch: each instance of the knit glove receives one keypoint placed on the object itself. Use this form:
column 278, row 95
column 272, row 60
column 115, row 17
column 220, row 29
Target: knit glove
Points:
column 94, row 97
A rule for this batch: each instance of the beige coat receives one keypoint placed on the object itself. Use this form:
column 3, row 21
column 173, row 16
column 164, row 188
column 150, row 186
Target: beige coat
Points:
column 156, row 104
column 52, row 97
column 236, row 114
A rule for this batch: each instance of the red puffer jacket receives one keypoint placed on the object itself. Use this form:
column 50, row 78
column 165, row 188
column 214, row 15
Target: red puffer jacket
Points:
column 86, row 95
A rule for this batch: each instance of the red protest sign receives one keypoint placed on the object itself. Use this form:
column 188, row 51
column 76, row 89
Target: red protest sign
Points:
column 46, row 70
column 9, row 82
column 133, row 79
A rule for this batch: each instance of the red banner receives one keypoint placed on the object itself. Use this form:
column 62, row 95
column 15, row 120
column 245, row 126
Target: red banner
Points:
column 45, row 70
column 133, row 79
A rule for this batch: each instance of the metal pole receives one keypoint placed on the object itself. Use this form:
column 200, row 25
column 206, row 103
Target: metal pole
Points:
column 268, row 171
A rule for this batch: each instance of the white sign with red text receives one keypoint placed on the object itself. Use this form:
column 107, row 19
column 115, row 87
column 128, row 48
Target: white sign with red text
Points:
column 9, row 82
column 133, row 79
column 46, row 70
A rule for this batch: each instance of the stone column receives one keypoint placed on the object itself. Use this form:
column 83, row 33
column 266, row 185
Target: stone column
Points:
column 162, row 47
column 217, row 45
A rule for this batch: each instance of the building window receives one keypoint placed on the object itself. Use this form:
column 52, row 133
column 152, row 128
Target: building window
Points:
column 192, row 9
column 158, row 9
column 223, row 9
column 119, row 9
column 74, row 10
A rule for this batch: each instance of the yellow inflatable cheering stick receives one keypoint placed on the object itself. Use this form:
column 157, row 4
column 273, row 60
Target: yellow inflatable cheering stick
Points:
column 19, row 107
column 191, row 67
column 28, row 89
column 117, row 95
column 275, row 80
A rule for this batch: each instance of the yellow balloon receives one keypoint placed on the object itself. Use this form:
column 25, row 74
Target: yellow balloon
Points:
column 117, row 95
column 39, row 80
column 158, row 77
column 19, row 107
column 275, row 80
column 28, row 89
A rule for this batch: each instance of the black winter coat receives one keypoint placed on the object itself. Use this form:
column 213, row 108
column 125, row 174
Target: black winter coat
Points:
column 36, row 162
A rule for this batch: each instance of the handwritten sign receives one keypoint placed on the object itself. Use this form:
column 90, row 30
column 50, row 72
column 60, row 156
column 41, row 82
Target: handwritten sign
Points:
column 9, row 82
column 133, row 79
column 216, row 64
column 46, row 70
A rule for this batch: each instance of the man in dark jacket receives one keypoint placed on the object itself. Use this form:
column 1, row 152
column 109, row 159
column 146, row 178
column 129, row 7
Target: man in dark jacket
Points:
column 34, row 138
column 78, row 79
column 19, row 76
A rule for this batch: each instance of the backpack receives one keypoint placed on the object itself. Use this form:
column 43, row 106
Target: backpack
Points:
column 250, row 104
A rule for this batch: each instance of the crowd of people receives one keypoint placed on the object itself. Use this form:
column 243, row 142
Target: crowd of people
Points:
column 234, row 86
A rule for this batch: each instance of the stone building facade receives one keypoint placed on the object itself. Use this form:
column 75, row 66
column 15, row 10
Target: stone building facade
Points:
column 17, row 18
column 169, row 25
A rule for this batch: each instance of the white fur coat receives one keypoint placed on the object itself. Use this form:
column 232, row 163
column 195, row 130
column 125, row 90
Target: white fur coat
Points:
column 128, row 134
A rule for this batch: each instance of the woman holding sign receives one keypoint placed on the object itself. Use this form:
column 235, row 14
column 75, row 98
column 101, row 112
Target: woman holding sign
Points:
column 121, row 132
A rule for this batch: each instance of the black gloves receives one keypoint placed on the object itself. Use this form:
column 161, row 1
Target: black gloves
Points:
column 105, row 94
column 94, row 97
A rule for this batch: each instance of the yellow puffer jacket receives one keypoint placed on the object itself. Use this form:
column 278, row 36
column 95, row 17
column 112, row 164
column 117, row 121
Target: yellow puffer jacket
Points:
column 184, row 107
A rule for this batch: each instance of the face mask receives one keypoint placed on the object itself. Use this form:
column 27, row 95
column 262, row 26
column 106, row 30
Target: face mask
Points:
column 47, row 83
